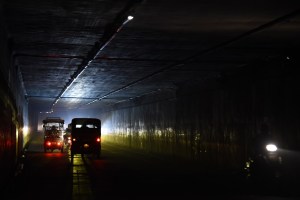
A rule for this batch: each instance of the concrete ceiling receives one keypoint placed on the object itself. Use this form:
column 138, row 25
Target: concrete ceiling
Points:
column 75, row 53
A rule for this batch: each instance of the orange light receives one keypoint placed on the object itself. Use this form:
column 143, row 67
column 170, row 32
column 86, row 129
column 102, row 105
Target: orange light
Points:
column 58, row 143
column 74, row 139
column 98, row 139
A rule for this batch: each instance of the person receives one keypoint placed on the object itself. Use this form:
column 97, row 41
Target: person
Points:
column 53, row 128
column 55, row 132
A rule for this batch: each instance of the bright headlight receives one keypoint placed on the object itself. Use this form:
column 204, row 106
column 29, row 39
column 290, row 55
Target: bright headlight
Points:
column 271, row 147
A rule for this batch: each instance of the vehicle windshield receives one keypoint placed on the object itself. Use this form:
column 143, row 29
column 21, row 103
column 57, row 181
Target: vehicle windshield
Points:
column 53, row 126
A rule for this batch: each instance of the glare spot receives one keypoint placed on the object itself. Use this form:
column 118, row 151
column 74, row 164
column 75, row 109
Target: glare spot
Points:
column 25, row 130
column 271, row 147
column 130, row 17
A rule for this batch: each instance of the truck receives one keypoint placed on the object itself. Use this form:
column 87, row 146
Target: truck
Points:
column 85, row 136
column 53, row 128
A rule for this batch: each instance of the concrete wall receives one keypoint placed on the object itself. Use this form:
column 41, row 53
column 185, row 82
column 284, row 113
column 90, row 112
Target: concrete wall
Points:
column 214, row 121
column 13, row 109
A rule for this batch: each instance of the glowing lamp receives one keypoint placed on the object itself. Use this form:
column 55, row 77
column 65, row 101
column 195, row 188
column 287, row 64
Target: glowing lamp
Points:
column 271, row 147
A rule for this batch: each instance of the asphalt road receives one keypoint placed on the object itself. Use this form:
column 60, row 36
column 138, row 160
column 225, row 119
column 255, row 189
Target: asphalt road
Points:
column 123, row 173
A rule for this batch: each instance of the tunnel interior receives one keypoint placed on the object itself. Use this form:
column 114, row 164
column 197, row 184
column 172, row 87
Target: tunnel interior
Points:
column 195, row 80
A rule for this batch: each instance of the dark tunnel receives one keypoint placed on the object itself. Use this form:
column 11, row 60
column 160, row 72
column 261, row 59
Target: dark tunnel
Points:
column 197, row 81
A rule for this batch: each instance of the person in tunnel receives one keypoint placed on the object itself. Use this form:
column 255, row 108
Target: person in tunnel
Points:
column 54, row 131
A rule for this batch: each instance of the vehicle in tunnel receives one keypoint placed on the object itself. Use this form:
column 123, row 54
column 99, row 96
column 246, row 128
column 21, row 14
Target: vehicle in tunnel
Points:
column 53, row 134
column 266, row 159
column 67, row 136
column 86, row 136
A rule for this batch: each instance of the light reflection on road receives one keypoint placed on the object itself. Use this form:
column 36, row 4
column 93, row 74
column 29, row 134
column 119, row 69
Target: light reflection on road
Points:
column 81, row 187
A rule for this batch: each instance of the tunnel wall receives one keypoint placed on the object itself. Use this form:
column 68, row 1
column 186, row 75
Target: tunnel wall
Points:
column 214, row 122
column 13, row 109
column 149, row 126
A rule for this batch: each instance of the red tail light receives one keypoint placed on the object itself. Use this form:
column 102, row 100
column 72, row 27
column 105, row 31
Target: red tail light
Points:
column 49, row 143
column 98, row 139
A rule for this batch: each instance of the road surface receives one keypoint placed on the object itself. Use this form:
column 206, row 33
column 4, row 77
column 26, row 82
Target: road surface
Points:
column 123, row 173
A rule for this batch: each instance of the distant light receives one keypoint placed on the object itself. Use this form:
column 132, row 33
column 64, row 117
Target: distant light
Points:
column 130, row 17
column 25, row 130
column 104, row 130
column 271, row 147
column 287, row 57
